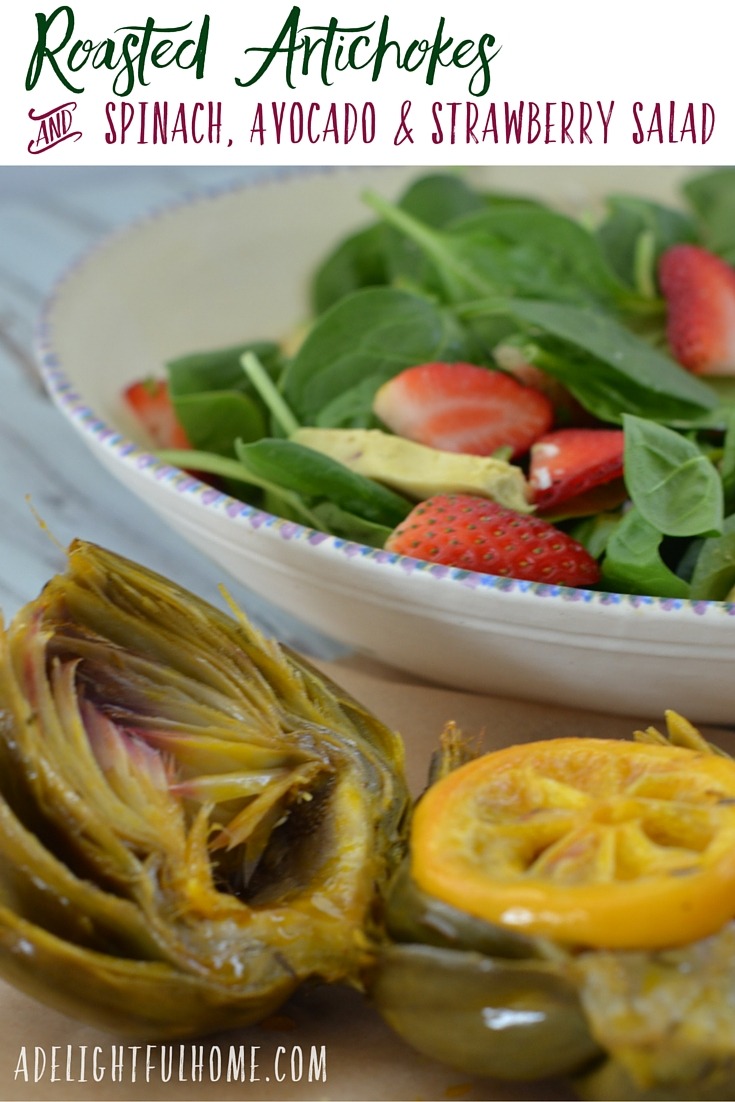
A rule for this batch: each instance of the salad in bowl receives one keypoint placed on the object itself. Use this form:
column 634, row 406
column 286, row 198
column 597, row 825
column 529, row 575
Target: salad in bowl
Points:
column 476, row 426
column 493, row 385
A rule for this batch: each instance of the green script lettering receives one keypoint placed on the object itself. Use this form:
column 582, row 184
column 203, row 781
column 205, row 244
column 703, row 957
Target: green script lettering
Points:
column 335, row 48
column 140, row 49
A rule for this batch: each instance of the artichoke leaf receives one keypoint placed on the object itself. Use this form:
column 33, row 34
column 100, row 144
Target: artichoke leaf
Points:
column 667, row 1019
column 216, row 814
column 507, row 1019
column 413, row 916
column 135, row 997
column 610, row 1079
column 34, row 883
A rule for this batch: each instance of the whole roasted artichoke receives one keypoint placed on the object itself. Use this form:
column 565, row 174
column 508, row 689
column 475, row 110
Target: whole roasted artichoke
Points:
column 193, row 821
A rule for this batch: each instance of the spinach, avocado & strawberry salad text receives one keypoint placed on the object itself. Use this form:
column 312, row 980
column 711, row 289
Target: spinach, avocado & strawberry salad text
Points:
column 493, row 385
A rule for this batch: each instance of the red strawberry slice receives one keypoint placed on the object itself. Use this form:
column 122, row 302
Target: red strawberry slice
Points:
column 460, row 407
column 570, row 462
column 150, row 402
column 473, row 533
column 699, row 288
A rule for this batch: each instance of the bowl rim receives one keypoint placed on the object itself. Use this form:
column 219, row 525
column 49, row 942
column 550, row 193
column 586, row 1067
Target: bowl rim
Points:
column 140, row 461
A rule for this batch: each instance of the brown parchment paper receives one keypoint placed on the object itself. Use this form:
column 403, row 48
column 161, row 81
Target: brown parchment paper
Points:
column 327, row 1043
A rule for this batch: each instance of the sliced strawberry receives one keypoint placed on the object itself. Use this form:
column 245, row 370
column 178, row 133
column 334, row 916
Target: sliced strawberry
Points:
column 570, row 462
column 474, row 533
column 150, row 402
column 460, row 407
column 699, row 288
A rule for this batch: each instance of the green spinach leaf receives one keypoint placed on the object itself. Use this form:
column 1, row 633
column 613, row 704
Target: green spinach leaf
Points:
column 358, row 261
column 340, row 522
column 727, row 465
column 377, row 256
column 213, row 420
column 537, row 252
column 594, row 533
column 436, row 201
column 311, row 474
column 674, row 486
column 713, row 578
column 712, row 197
column 213, row 399
column 220, row 369
column 609, row 369
column 373, row 334
column 633, row 564
column 635, row 232
column 516, row 250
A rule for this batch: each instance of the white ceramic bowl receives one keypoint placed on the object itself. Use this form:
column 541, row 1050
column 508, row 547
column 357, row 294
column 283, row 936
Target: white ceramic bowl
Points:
column 234, row 265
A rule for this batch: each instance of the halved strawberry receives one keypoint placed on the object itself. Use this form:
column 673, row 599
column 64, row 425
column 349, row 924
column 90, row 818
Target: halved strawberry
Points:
column 473, row 533
column 699, row 288
column 460, row 407
column 150, row 402
column 569, row 462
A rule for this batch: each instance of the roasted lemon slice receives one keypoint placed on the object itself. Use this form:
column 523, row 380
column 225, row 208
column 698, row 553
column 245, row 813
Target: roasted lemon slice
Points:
column 592, row 842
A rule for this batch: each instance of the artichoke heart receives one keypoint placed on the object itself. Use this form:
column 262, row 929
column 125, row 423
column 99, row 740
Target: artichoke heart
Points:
column 193, row 821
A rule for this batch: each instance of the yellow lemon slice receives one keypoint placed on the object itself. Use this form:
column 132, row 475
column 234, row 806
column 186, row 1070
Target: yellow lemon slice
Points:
column 588, row 841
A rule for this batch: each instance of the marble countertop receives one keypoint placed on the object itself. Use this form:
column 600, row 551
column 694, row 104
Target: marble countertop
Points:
column 48, row 217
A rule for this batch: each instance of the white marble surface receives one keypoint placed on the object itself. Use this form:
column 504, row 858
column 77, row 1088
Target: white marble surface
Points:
column 48, row 216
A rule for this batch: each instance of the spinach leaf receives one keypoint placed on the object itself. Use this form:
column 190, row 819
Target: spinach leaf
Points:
column 435, row 201
column 340, row 522
column 229, row 471
column 440, row 199
column 377, row 255
column 674, row 486
column 311, row 474
column 684, row 566
column 213, row 420
column 721, row 415
column 594, row 533
column 608, row 368
column 537, row 252
column 714, row 573
column 727, row 465
column 635, row 232
column 213, row 399
column 724, row 387
column 373, row 334
column 358, row 261
column 632, row 562
column 352, row 408
column 515, row 249
column 220, row 369
column 283, row 422
column 712, row 197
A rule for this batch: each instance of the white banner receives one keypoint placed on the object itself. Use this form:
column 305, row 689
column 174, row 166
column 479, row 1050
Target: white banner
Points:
column 135, row 82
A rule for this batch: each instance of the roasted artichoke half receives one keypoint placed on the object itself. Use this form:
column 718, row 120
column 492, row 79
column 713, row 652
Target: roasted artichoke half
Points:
column 567, row 910
column 193, row 821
